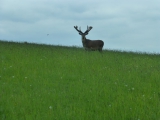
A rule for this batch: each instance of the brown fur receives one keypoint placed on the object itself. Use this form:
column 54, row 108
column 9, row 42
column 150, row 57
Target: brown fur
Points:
column 93, row 44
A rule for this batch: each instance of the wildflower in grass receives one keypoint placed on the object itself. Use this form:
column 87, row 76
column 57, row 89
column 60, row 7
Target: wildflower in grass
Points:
column 50, row 107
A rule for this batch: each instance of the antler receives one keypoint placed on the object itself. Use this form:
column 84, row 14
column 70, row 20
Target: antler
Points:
column 76, row 27
column 86, row 32
column 88, row 29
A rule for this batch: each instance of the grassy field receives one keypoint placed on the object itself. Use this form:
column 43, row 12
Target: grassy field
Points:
column 40, row 82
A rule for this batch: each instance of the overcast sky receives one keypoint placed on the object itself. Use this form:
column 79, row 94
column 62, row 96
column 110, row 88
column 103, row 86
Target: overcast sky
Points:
column 121, row 24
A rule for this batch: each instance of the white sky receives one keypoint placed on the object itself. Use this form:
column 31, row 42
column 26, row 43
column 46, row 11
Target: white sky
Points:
column 121, row 24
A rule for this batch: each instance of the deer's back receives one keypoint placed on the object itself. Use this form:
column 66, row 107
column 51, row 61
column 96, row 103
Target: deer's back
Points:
column 94, row 43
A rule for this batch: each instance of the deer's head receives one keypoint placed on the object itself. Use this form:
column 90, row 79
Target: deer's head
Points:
column 83, row 34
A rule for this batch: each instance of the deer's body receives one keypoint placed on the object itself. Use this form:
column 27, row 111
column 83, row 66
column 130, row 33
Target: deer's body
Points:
column 90, row 44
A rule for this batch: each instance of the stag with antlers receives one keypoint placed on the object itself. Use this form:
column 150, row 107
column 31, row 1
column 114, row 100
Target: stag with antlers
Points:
column 90, row 44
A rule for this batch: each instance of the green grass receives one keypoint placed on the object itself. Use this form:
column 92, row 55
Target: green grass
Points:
column 42, row 82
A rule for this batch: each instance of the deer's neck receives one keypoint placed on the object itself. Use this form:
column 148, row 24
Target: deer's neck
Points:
column 84, row 41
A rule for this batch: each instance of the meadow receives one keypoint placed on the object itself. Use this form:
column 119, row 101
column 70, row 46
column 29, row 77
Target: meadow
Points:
column 46, row 82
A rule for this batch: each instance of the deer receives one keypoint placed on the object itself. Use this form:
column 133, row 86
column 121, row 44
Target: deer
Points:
column 90, row 44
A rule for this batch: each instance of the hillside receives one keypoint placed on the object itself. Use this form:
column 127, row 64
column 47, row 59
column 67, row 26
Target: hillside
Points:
column 39, row 82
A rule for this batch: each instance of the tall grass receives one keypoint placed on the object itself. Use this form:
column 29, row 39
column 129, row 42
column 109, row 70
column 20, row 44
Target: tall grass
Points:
column 39, row 82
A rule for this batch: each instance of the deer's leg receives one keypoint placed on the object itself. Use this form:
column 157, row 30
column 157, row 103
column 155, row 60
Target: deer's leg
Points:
column 100, row 49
